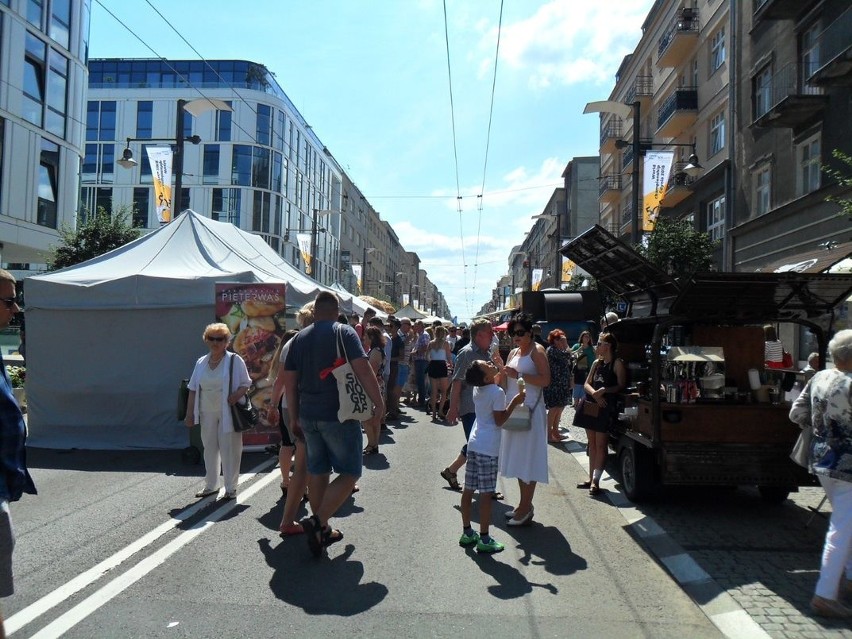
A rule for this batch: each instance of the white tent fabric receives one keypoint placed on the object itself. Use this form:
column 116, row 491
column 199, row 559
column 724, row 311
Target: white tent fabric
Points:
column 410, row 312
column 111, row 338
column 358, row 305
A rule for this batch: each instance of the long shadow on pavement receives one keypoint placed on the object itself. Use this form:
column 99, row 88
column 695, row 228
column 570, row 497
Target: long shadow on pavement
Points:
column 324, row 586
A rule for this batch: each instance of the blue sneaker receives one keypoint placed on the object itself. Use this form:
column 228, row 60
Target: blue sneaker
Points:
column 490, row 547
column 467, row 541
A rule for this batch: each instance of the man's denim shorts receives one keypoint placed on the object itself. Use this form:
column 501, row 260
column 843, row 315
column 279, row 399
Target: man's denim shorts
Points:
column 402, row 378
column 333, row 446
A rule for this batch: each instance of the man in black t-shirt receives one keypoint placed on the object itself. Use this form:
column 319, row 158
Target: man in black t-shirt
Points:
column 397, row 353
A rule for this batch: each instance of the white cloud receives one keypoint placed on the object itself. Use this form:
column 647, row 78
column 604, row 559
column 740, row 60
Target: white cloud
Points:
column 567, row 41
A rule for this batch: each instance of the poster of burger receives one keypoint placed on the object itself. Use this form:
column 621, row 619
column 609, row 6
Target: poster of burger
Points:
column 255, row 313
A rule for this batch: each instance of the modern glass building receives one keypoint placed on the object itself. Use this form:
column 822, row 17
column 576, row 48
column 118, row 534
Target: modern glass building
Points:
column 259, row 165
column 43, row 50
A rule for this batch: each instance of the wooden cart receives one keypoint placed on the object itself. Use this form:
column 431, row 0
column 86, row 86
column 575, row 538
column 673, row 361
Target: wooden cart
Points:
column 725, row 441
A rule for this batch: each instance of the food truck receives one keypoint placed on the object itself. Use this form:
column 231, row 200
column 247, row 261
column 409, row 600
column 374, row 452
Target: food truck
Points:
column 700, row 407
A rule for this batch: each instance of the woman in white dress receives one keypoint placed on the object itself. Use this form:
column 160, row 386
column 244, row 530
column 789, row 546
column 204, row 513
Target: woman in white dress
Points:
column 523, row 454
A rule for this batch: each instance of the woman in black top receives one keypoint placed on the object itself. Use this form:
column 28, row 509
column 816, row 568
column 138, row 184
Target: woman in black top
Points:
column 607, row 377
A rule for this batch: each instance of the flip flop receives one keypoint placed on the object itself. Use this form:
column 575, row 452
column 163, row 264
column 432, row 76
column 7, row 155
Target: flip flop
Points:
column 313, row 532
column 331, row 536
column 290, row 529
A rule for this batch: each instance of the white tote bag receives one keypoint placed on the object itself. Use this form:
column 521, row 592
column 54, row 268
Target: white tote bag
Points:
column 353, row 399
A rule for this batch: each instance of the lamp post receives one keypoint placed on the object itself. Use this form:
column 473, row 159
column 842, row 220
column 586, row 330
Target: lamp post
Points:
column 194, row 107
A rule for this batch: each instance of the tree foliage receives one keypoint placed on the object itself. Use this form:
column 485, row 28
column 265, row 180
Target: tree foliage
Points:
column 96, row 235
column 843, row 178
column 678, row 249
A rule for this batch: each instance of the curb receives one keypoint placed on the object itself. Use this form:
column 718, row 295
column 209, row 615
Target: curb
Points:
column 723, row 611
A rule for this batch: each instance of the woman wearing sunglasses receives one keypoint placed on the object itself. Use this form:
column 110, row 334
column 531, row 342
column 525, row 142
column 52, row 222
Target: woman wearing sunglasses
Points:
column 210, row 404
column 523, row 454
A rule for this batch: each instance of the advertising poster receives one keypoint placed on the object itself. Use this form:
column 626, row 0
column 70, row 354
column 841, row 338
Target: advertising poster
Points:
column 160, row 159
column 537, row 274
column 255, row 313
column 567, row 270
column 656, row 170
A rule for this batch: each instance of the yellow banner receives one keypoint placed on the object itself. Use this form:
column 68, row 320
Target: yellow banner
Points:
column 536, row 278
column 304, row 241
column 656, row 169
column 357, row 271
column 567, row 270
column 160, row 159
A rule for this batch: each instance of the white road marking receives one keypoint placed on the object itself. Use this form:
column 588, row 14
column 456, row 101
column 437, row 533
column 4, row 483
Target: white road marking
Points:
column 54, row 598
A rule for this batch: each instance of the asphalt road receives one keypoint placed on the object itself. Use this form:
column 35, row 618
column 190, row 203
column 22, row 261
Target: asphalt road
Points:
column 115, row 545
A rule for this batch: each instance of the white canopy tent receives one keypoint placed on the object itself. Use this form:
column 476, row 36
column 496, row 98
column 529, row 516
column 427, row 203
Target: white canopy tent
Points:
column 111, row 338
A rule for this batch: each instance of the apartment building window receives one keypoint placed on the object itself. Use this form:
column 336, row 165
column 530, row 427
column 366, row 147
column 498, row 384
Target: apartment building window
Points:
column 223, row 125
column 717, row 133
column 210, row 164
column 35, row 53
column 278, row 131
column 48, row 184
column 57, row 92
column 99, row 163
column 762, row 91
column 717, row 50
column 263, row 129
column 226, row 205
column 715, row 219
column 187, row 124
column 260, row 212
column 35, row 13
column 260, row 168
column 93, row 199
column 809, row 165
column 809, row 47
column 100, row 121
column 276, row 172
column 763, row 190
column 141, row 207
column 60, row 22
column 241, row 165
column 145, row 119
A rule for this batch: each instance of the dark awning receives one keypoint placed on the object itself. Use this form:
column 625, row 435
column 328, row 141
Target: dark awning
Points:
column 816, row 261
column 760, row 297
column 617, row 266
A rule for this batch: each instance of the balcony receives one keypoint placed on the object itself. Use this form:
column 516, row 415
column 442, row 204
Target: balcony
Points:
column 627, row 156
column 612, row 131
column 678, row 112
column 679, row 187
column 641, row 91
column 610, row 188
column 791, row 102
column 835, row 47
column 776, row 9
column 680, row 39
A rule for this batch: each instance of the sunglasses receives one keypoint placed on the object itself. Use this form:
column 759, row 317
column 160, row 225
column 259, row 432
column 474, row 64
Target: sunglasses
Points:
column 519, row 333
column 216, row 339
column 9, row 301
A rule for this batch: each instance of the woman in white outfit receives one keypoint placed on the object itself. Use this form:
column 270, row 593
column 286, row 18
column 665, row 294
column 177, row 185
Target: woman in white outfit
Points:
column 523, row 454
column 209, row 405
column 825, row 406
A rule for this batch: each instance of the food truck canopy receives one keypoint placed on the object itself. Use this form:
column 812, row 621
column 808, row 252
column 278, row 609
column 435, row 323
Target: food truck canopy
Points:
column 711, row 297
column 648, row 289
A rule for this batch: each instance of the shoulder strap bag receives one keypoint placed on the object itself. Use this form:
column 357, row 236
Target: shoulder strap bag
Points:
column 243, row 414
column 353, row 399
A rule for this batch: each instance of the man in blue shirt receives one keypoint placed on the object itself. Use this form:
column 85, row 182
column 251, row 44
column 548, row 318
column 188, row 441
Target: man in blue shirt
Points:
column 14, row 477
column 312, row 403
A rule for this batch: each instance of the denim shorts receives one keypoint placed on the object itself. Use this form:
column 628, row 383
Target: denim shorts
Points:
column 402, row 378
column 333, row 446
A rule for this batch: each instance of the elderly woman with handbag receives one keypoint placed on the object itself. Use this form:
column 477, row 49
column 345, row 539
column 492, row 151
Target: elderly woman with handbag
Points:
column 220, row 380
column 825, row 406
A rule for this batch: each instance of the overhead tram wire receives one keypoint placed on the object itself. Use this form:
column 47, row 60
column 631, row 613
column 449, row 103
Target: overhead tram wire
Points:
column 455, row 145
column 487, row 146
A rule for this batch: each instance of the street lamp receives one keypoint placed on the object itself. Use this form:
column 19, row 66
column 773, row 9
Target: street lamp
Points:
column 693, row 167
column 195, row 108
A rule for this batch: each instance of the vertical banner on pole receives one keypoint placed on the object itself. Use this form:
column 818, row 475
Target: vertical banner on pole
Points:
column 304, row 241
column 567, row 270
column 536, row 278
column 656, row 168
column 357, row 271
column 405, row 299
column 160, row 159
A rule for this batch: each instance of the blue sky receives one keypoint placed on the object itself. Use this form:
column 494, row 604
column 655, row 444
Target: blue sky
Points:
column 371, row 78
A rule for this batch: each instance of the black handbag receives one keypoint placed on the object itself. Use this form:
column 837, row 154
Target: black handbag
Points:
column 183, row 399
column 590, row 415
column 243, row 415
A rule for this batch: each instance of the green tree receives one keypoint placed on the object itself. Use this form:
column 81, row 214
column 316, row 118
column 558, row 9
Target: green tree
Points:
column 96, row 235
column 843, row 178
column 677, row 248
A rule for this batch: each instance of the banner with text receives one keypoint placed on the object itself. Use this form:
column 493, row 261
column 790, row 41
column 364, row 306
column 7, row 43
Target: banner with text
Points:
column 357, row 271
column 304, row 241
column 656, row 170
column 567, row 270
column 405, row 299
column 160, row 159
column 536, row 278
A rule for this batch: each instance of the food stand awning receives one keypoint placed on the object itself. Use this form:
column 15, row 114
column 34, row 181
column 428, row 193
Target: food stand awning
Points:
column 617, row 266
column 816, row 261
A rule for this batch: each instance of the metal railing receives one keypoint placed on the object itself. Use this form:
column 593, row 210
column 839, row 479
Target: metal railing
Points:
column 613, row 129
column 685, row 99
column 643, row 87
column 834, row 39
column 609, row 183
column 686, row 21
